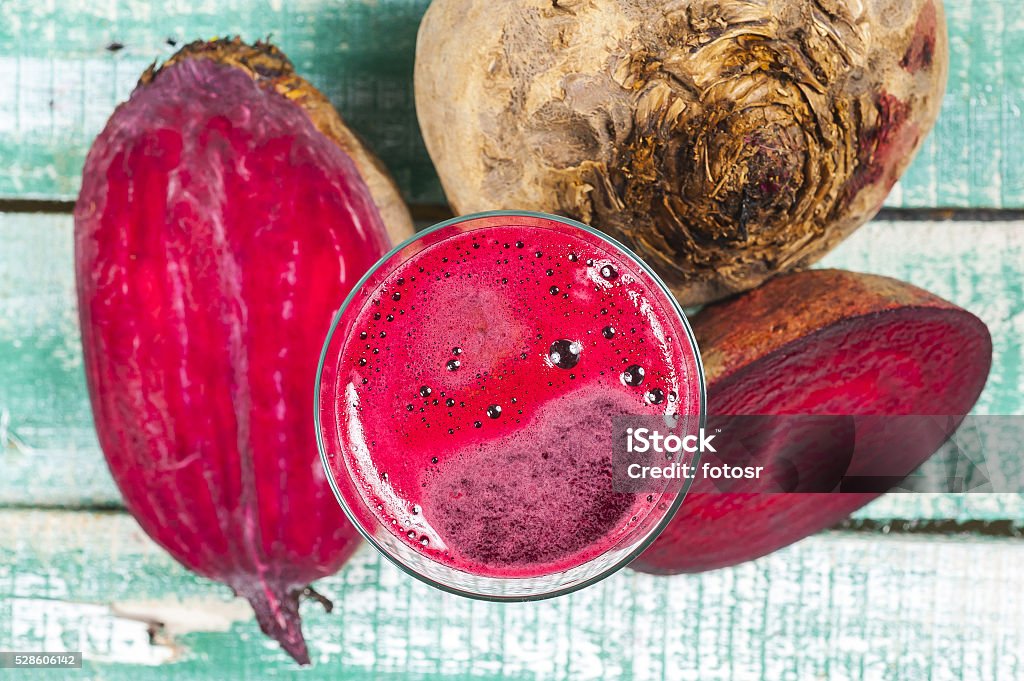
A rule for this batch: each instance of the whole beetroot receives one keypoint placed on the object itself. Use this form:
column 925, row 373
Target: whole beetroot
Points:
column 722, row 140
column 219, row 227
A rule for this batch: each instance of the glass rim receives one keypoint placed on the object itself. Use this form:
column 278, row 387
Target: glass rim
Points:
column 654, row 533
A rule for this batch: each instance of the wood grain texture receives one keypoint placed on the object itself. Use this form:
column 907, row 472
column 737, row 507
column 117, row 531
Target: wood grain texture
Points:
column 48, row 449
column 836, row 606
column 63, row 76
column 61, row 82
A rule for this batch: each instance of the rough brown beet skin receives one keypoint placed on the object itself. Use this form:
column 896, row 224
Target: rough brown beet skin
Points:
column 217, row 232
column 820, row 342
column 722, row 140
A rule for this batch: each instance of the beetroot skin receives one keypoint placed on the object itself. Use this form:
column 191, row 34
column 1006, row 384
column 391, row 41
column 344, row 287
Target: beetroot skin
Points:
column 821, row 342
column 216, row 234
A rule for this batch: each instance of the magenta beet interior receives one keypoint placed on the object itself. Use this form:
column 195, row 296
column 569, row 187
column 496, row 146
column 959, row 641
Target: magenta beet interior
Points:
column 907, row 361
column 468, row 390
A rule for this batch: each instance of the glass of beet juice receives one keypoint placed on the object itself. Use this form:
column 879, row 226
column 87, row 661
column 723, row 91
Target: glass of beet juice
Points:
column 467, row 396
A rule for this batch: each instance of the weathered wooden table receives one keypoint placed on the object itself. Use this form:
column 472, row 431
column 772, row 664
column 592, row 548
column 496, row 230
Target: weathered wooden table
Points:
column 917, row 587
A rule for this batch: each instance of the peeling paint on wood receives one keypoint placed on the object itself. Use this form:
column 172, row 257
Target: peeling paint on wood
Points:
column 142, row 633
column 61, row 81
column 836, row 606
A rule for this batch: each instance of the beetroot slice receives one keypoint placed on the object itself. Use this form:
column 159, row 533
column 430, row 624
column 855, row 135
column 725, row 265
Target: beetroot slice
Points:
column 820, row 342
column 217, row 232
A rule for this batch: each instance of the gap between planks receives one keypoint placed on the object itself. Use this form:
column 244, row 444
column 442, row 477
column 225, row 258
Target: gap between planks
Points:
column 431, row 213
column 1010, row 528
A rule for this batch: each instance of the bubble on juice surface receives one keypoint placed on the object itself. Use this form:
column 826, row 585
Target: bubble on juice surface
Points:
column 565, row 354
column 655, row 396
column 633, row 375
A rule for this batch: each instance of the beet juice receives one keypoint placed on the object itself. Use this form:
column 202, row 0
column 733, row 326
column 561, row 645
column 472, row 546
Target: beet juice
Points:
column 467, row 393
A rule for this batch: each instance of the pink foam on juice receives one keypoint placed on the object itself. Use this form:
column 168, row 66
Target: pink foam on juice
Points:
column 476, row 386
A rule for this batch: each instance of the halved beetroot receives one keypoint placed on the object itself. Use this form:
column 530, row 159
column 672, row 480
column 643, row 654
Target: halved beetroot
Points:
column 821, row 342
column 221, row 222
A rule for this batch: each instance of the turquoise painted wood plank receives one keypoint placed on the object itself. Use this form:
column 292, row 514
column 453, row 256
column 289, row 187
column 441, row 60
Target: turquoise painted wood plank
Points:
column 972, row 157
column 48, row 448
column 61, row 83
column 837, row 606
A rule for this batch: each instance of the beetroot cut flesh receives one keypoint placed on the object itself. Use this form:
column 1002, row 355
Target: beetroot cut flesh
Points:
column 821, row 342
column 216, row 234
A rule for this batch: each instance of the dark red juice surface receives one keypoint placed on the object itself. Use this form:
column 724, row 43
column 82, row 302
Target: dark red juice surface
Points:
column 473, row 396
